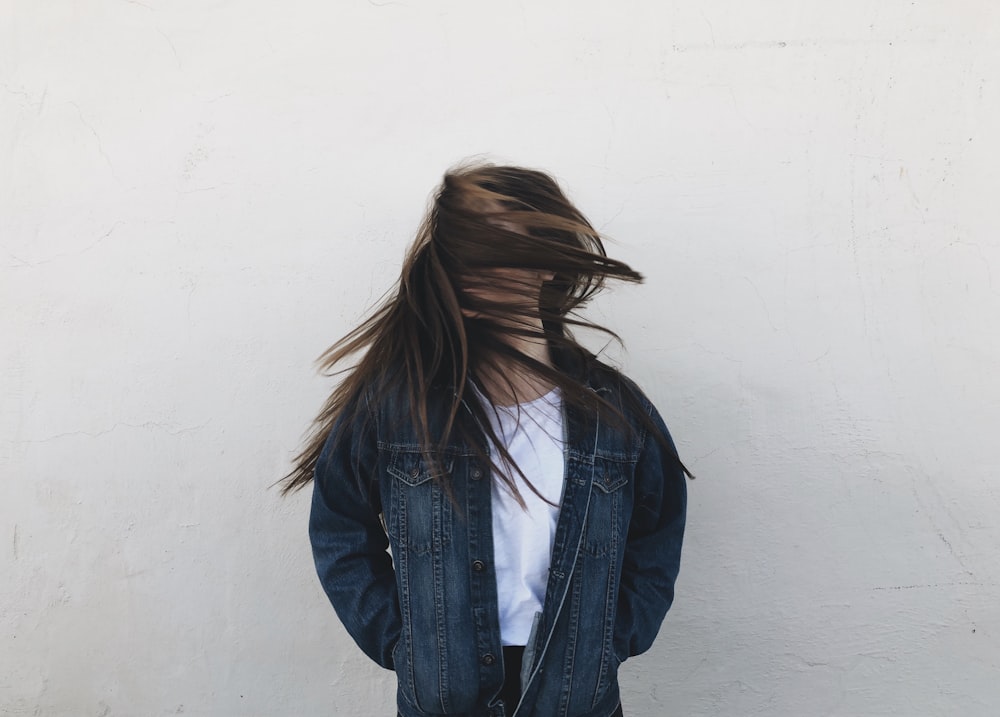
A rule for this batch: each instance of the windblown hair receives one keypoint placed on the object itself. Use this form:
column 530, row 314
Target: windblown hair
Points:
column 491, row 231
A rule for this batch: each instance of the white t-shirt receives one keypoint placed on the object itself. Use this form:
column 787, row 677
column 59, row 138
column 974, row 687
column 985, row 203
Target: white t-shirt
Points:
column 522, row 540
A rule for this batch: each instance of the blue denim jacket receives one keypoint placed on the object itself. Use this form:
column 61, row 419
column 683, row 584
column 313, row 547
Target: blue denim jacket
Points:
column 429, row 611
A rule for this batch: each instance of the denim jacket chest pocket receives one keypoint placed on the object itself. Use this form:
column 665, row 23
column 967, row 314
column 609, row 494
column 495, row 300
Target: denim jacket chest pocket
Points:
column 419, row 512
column 609, row 511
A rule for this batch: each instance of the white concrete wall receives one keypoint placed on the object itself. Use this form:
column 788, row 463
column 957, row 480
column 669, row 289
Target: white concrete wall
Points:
column 199, row 196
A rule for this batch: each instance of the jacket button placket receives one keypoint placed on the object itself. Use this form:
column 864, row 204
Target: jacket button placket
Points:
column 483, row 587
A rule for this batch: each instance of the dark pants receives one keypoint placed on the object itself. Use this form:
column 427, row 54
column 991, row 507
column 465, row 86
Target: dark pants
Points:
column 617, row 713
column 510, row 693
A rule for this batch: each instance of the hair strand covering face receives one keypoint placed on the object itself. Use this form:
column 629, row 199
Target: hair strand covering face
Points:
column 502, row 257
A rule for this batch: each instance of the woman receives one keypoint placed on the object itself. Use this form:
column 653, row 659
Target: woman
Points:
column 530, row 495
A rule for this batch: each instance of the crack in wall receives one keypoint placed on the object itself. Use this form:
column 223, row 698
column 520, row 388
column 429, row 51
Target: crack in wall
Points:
column 112, row 429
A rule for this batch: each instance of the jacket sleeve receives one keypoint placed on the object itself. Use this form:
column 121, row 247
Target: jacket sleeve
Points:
column 653, row 547
column 349, row 543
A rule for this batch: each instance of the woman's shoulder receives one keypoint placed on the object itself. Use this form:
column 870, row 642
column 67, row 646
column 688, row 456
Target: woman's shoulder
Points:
column 604, row 377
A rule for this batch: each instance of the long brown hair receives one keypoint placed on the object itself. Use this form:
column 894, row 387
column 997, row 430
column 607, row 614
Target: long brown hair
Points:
column 501, row 257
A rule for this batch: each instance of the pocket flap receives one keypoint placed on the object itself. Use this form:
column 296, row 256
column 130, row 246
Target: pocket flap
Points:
column 610, row 477
column 412, row 469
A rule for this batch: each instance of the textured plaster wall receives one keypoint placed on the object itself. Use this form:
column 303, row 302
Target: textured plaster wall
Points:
column 197, row 197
